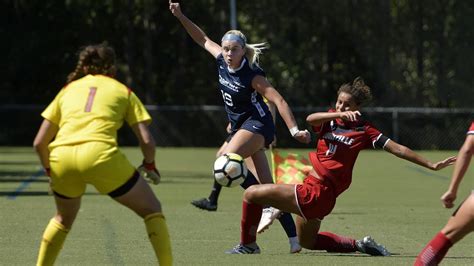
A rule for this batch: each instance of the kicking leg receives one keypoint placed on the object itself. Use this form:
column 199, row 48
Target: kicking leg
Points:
column 311, row 239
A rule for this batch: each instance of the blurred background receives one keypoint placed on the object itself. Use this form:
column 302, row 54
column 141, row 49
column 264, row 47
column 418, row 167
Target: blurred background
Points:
column 417, row 56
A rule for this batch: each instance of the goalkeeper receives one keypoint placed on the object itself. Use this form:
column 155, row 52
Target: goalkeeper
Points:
column 83, row 120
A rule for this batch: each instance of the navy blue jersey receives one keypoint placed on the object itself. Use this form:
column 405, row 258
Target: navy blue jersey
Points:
column 241, row 101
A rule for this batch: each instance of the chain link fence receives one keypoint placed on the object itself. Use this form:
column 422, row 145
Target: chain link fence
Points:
column 204, row 126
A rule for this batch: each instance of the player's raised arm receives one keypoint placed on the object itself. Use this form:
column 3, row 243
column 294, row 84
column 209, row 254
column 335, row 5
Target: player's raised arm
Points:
column 194, row 31
column 409, row 155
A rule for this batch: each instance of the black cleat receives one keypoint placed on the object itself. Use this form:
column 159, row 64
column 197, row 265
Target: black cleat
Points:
column 204, row 204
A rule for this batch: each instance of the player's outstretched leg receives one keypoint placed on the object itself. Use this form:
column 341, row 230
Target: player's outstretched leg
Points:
column 368, row 245
column 335, row 243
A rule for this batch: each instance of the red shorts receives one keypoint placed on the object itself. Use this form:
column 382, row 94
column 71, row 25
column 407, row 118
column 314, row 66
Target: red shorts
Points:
column 315, row 197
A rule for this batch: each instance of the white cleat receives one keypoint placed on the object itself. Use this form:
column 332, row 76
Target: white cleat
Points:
column 368, row 245
column 268, row 216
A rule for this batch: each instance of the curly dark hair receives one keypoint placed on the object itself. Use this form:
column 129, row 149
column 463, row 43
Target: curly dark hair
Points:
column 94, row 59
column 358, row 89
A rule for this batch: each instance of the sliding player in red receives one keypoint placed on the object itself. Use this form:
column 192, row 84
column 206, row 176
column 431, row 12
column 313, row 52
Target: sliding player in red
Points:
column 462, row 221
column 341, row 136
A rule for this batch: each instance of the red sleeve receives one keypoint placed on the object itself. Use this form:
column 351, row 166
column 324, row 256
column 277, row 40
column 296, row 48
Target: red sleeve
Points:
column 377, row 139
column 471, row 129
column 324, row 127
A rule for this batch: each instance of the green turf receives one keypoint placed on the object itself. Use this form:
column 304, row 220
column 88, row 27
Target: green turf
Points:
column 391, row 199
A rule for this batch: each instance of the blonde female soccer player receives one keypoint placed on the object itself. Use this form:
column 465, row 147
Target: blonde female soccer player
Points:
column 243, row 86
column 83, row 120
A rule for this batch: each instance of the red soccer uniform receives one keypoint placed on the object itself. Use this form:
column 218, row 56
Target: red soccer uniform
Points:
column 338, row 145
column 471, row 129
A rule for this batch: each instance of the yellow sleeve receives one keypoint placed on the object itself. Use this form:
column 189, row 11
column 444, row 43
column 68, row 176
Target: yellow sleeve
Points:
column 136, row 111
column 53, row 111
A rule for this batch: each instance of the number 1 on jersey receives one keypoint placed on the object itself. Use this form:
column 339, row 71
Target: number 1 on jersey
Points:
column 90, row 99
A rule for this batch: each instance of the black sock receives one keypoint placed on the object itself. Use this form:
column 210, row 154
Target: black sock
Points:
column 286, row 221
column 249, row 180
column 216, row 190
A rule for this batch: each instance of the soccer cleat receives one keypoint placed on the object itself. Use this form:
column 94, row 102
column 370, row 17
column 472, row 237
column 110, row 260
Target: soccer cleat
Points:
column 244, row 249
column 268, row 216
column 295, row 247
column 204, row 204
column 368, row 245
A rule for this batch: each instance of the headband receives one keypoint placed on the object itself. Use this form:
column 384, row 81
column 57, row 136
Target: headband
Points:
column 234, row 37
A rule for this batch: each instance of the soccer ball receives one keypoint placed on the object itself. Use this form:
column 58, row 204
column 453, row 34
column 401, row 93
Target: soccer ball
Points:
column 230, row 170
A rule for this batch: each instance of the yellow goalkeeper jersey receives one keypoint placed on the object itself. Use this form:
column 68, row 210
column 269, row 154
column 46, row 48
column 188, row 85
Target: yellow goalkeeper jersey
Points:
column 93, row 108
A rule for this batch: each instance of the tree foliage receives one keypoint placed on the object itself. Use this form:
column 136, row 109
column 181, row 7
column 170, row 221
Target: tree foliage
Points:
column 412, row 53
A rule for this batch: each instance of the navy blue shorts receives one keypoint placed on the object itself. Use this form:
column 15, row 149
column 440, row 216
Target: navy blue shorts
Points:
column 256, row 126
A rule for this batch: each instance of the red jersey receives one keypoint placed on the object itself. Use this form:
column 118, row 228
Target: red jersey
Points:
column 338, row 145
column 471, row 129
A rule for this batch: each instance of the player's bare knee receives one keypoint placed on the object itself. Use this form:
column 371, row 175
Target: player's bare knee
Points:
column 250, row 194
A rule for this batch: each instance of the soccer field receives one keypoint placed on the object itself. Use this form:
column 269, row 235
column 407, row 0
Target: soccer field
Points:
column 394, row 201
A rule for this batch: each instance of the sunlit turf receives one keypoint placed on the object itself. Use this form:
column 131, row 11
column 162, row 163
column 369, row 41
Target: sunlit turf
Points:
column 391, row 199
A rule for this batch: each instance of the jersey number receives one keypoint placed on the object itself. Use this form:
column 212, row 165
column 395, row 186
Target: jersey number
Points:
column 227, row 98
column 90, row 99
column 331, row 149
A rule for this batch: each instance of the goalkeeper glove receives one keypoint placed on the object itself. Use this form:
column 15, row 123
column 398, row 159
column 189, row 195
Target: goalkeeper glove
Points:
column 149, row 172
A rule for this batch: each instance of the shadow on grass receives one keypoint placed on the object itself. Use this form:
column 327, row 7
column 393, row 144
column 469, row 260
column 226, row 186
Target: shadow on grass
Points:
column 14, row 194
column 19, row 179
column 9, row 173
column 359, row 255
column 16, row 151
column 19, row 163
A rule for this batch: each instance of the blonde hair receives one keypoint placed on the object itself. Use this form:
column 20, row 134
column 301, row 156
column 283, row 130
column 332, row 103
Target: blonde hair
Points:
column 252, row 50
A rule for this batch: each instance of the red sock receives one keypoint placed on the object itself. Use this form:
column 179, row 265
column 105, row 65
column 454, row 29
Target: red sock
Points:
column 251, row 214
column 334, row 243
column 435, row 251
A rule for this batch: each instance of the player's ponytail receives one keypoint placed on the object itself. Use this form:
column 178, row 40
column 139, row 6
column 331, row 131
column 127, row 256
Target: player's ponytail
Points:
column 253, row 52
column 358, row 89
column 94, row 59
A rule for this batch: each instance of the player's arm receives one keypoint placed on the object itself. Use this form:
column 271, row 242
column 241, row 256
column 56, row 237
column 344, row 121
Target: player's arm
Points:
column 262, row 86
column 460, row 168
column 45, row 135
column 316, row 119
column 409, row 155
column 272, row 108
column 147, row 146
column 194, row 31
column 145, row 140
